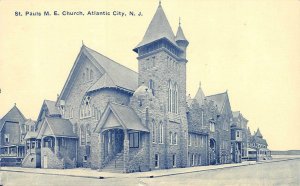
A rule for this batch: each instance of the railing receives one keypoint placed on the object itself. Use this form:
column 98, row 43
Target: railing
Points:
column 9, row 155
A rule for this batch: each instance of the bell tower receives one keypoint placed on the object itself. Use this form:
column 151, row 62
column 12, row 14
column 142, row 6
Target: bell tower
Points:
column 162, row 62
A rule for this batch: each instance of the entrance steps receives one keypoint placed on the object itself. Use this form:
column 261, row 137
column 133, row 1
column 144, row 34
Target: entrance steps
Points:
column 116, row 164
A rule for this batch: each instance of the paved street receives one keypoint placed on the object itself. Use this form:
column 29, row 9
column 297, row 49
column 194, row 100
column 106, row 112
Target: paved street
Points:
column 275, row 173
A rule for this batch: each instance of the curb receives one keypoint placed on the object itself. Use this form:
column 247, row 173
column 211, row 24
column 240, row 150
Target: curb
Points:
column 54, row 174
column 150, row 176
column 179, row 173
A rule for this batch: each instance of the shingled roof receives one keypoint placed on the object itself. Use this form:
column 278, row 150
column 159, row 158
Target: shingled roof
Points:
column 60, row 127
column 52, row 109
column 116, row 75
column 13, row 115
column 126, row 116
column 219, row 99
column 236, row 114
column 158, row 28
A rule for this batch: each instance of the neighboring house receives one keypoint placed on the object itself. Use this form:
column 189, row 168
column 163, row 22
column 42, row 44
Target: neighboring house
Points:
column 32, row 141
column 239, row 137
column 12, row 131
column 212, row 114
column 222, row 134
column 258, row 147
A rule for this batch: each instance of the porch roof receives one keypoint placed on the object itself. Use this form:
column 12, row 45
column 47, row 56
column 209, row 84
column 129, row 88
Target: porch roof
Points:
column 125, row 115
column 58, row 127
column 30, row 135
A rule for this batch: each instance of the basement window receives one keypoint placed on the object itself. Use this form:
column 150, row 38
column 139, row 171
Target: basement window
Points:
column 85, row 158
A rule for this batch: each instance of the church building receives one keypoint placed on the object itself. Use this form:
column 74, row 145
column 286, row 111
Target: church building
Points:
column 111, row 118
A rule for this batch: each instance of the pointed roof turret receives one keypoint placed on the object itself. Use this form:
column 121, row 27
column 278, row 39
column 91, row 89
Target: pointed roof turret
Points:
column 180, row 35
column 258, row 133
column 200, row 95
column 158, row 28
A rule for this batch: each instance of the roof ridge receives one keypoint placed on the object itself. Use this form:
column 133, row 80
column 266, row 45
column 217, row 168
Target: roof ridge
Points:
column 216, row 94
column 110, row 59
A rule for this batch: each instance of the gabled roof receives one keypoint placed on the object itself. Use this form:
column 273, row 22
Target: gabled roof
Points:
column 30, row 122
column 219, row 100
column 236, row 114
column 52, row 109
column 30, row 135
column 13, row 115
column 158, row 28
column 126, row 116
column 258, row 140
column 59, row 127
column 116, row 75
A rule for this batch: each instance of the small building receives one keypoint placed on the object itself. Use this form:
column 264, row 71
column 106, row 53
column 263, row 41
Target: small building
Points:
column 260, row 145
column 239, row 143
column 12, row 132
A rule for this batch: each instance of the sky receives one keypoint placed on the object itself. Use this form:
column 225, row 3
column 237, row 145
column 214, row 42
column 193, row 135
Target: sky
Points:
column 249, row 48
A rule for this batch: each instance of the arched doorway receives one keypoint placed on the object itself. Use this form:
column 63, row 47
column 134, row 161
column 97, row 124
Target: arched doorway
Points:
column 212, row 152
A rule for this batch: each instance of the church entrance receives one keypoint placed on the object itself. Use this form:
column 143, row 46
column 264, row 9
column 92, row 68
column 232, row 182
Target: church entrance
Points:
column 113, row 142
column 212, row 152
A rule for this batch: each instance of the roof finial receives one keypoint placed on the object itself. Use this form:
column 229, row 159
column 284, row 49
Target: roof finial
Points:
column 200, row 84
column 15, row 104
column 159, row 2
column 82, row 42
column 179, row 21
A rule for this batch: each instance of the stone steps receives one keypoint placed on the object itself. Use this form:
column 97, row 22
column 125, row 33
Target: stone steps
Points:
column 116, row 164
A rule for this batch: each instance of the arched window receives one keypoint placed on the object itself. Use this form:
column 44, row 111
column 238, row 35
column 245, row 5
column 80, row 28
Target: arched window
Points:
column 86, row 108
column 176, row 98
column 151, row 85
column 87, row 74
column 88, row 134
column 153, row 131
column 161, row 132
column 170, row 96
column 91, row 74
column 171, row 138
column 71, row 113
column 82, row 135
column 175, row 139
column 173, row 100
column 99, row 114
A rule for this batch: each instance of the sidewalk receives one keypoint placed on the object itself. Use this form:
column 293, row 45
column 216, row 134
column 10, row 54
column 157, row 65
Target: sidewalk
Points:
column 88, row 173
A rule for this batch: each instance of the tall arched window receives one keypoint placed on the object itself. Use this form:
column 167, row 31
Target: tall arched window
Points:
column 82, row 135
column 153, row 131
column 170, row 96
column 87, row 74
column 161, row 132
column 151, row 85
column 176, row 98
column 91, row 74
column 175, row 139
column 88, row 134
column 71, row 113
